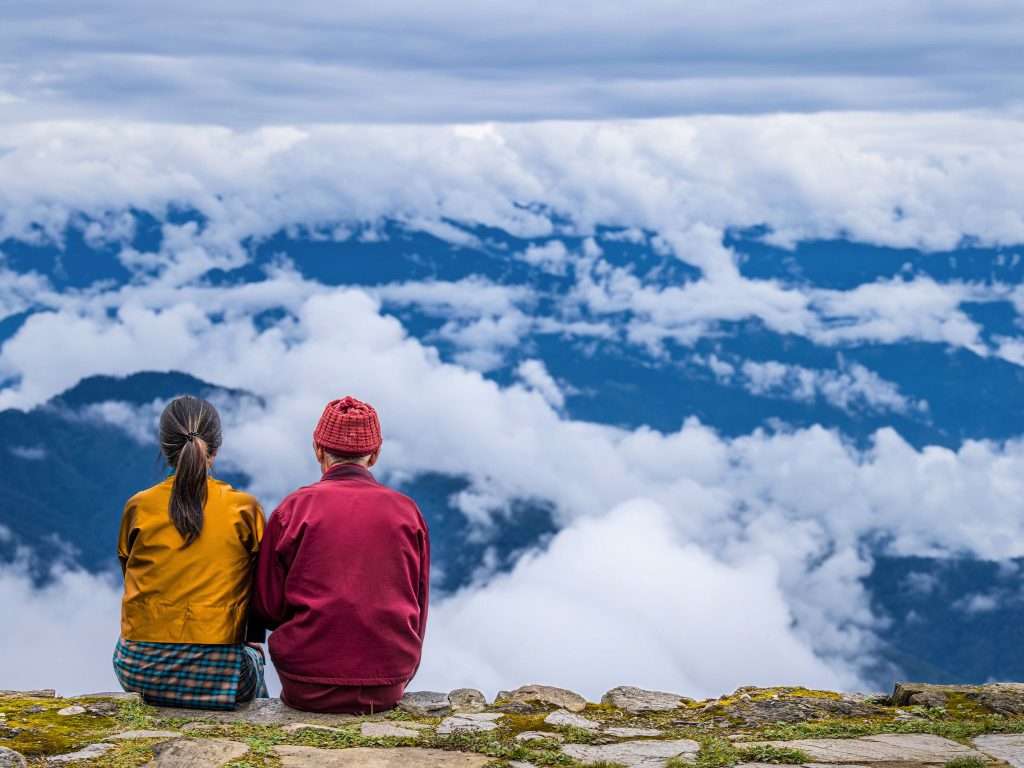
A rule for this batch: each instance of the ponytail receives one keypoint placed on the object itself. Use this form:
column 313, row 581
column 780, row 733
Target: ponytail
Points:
column 190, row 435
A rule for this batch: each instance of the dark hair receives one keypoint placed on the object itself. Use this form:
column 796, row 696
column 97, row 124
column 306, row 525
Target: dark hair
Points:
column 190, row 434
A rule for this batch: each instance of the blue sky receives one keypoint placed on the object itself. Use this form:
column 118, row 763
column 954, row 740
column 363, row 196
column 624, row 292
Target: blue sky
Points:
column 895, row 126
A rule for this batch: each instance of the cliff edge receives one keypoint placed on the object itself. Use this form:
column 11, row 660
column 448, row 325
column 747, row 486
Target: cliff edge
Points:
column 535, row 725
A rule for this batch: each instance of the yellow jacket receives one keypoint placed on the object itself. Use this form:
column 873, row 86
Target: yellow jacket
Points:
column 195, row 594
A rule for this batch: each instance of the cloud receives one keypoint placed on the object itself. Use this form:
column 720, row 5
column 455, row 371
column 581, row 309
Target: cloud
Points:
column 29, row 453
column 64, row 633
column 535, row 374
column 805, row 501
column 794, row 517
column 623, row 600
column 394, row 61
column 850, row 387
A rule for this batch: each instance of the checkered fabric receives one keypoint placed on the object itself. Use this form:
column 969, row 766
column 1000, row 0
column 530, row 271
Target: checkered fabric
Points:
column 348, row 426
column 190, row 675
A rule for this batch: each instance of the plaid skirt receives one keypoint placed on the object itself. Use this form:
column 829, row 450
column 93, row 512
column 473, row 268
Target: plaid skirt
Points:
column 190, row 675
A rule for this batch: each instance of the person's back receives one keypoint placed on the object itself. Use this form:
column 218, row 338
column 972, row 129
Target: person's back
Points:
column 343, row 578
column 193, row 594
column 187, row 548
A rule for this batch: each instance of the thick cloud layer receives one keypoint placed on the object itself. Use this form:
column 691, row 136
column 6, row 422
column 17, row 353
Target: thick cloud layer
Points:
column 780, row 521
column 245, row 63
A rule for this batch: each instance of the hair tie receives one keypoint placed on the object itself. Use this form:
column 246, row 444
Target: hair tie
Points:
column 192, row 436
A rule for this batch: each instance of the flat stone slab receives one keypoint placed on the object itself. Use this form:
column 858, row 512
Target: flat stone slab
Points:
column 632, row 733
column 636, row 700
column 258, row 712
column 90, row 752
column 134, row 735
column 566, row 719
column 379, row 730
column 634, row 754
column 196, row 753
column 39, row 693
column 890, row 747
column 481, row 721
column 1006, row 747
column 369, row 757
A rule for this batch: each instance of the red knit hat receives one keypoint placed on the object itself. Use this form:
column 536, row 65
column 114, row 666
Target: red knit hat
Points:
column 348, row 426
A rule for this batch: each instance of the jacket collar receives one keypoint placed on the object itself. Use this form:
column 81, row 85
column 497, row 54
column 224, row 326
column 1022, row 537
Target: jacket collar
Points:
column 349, row 472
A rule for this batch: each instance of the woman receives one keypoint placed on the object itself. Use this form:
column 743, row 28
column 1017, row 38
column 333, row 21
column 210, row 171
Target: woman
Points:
column 187, row 548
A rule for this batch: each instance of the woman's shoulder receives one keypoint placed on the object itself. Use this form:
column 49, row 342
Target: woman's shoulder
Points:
column 155, row 494
column 232, row 496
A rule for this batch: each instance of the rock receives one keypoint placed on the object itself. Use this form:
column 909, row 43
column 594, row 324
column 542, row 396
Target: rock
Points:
column 426, row 704
column 196, row 753
column 198, row 727
column 102, row 708
column 370, row 757
column 296, row 727
column 529, row 697
column 563, row 719
column 636, row 700
column 45, row 693
column 520, row 764
column 74, row 709
column 482, row 721
column 634, row 754
column 886, row 748
column 1009, row 748
column 258, row 712
column 538, row 735
column 1001, row 698
column 632, row 733
column 134, row 735
column 90, row 752
column 383, row 730
column 35, row 709
column 789, row 705
column 11, row 759
column 467, row 700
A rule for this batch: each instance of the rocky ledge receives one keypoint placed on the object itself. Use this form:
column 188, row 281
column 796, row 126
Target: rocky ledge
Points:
column 536, row 725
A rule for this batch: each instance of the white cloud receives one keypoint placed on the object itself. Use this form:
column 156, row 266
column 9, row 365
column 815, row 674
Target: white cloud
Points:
column 535, row 374
column 551, row 256
column 29, row 453
column 849, row 387
column 623, row 600
column 978, row 603
column 63, row 634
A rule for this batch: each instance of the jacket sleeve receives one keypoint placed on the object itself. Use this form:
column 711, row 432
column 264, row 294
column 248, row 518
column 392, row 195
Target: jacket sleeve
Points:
column 126, row 536
column 424, row 585
column 268, row 599
column 255, row 631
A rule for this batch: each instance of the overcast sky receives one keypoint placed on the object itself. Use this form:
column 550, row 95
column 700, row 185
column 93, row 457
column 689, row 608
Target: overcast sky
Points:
column 397, row 61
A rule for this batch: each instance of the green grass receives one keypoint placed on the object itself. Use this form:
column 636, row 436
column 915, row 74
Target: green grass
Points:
column 966, row 762
column 765, row 753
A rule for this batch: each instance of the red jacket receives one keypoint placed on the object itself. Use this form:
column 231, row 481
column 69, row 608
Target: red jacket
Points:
column 343, row 580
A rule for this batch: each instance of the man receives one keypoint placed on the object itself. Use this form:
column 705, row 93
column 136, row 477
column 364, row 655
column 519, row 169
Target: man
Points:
column 343, row 576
